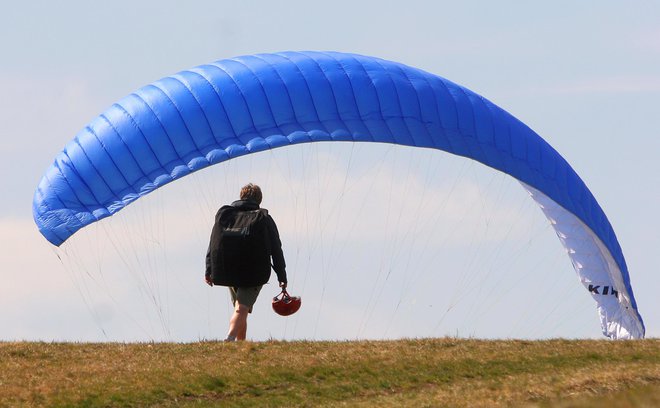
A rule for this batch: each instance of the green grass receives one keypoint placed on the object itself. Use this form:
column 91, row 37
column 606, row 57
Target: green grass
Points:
column 415, row 373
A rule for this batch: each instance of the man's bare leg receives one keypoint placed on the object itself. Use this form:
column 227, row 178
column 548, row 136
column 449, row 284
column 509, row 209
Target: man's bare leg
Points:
column 243, row 333
column 238, row 323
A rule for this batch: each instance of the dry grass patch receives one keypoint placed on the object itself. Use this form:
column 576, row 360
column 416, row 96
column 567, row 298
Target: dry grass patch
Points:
column 433, row 372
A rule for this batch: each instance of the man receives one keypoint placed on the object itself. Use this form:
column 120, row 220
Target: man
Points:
column 243, row 240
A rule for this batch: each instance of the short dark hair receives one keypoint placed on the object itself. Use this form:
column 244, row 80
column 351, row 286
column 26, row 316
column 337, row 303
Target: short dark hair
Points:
column 251, row 192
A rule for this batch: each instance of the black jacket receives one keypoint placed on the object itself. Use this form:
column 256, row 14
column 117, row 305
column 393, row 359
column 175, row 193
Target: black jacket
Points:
column 225, row 273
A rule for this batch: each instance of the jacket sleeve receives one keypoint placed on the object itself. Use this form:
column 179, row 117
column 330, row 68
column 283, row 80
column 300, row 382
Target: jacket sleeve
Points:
column 208, row 262
column 213, row 243
column 276, row 251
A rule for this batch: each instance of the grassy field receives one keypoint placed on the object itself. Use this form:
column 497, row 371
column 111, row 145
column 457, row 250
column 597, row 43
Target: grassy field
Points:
column 409, row 373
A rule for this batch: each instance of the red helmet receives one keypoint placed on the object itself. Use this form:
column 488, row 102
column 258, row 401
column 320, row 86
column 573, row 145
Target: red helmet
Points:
column 286, row 305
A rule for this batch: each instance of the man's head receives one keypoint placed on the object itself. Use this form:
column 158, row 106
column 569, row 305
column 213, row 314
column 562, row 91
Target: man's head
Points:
column 251, row 192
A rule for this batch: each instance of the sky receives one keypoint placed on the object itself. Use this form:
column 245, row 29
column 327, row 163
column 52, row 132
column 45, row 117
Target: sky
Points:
column 586, row 77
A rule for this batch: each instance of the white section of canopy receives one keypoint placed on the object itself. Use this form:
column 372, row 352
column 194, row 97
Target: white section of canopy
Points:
column 595, row 268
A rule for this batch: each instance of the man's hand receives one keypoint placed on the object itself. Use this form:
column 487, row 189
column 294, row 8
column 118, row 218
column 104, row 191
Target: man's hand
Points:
column 283, row 285
column 208, row 280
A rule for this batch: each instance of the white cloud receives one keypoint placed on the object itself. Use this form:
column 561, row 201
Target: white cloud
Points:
column 40, row 108
column 612, row 84
column 646, row 40
column 29, row 264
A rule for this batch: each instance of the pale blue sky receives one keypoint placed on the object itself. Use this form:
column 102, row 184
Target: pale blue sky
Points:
column 585, row 76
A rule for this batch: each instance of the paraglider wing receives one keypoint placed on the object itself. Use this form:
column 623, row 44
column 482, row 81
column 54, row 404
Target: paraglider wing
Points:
column 215, row 112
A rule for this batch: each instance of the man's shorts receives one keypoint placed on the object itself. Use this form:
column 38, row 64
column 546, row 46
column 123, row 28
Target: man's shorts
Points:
column 245, row 296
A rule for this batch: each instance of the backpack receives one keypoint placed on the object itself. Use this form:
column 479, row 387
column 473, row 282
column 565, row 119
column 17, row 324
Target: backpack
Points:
column 240, row 247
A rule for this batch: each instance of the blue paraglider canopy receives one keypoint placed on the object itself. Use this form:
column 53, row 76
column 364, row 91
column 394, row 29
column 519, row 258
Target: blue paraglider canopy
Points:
column 229, row 108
